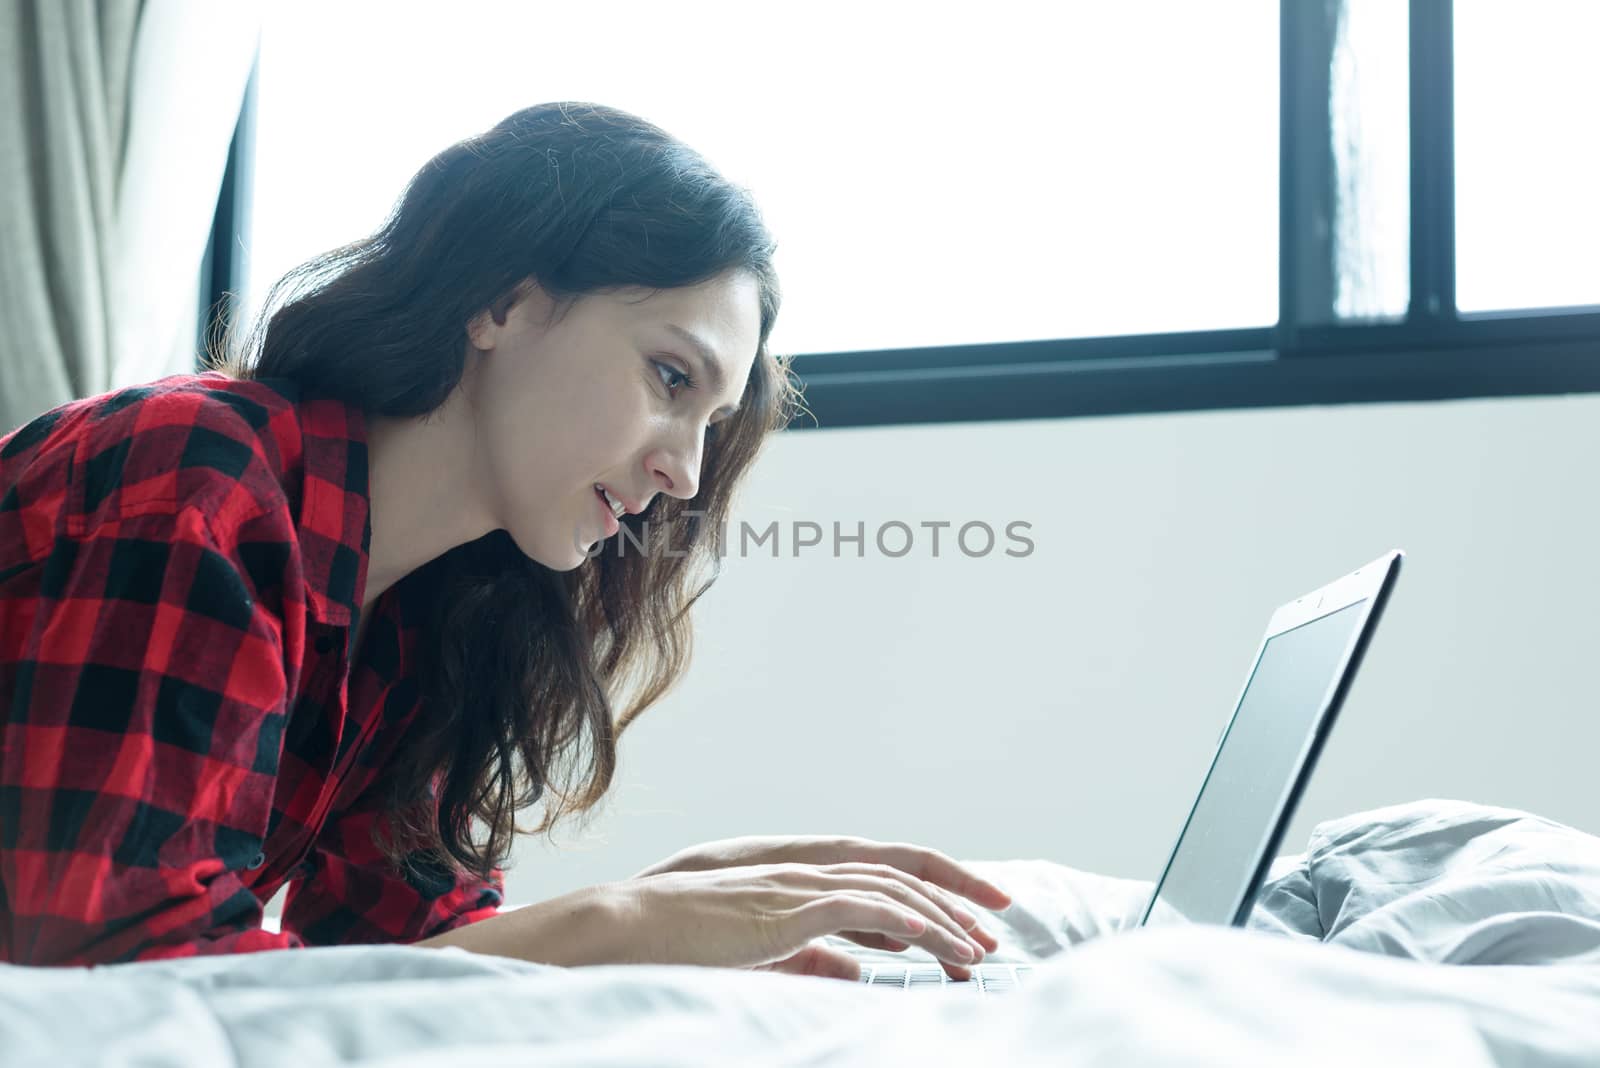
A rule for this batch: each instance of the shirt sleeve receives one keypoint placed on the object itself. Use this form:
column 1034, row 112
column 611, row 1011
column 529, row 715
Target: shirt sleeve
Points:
column 354, row 894
column 140, row 748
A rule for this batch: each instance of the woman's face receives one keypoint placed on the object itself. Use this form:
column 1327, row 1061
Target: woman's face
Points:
column 599, row 396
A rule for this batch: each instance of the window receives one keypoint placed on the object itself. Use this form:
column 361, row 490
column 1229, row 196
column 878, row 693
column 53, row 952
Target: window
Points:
column 1022, row 210
column 1369, row 139
column 935, row 174
column 1527, row 159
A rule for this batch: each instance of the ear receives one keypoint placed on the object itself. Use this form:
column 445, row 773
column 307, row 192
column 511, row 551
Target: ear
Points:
column 482, row 328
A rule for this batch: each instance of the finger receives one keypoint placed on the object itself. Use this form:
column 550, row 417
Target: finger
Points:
column 894, row 945
column 920, row 863
column 956, row 971
column 938, row 869
column 876, row 941
column 856, row 911
column 873, row 940
column 984, row 942
column 818, row 960
column 865, row 908
column 944, row 938
column 966, row 920
column 914, row 893
column 954, row 918
column 837, row 964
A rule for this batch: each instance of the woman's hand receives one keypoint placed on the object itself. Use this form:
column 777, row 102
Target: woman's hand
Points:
column 938, row 877
column 767, row 917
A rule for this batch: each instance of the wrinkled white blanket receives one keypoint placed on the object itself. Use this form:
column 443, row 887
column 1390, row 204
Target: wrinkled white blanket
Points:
column 1435, row 933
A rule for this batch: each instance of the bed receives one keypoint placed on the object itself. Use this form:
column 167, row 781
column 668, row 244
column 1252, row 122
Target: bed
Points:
column 1431, row 933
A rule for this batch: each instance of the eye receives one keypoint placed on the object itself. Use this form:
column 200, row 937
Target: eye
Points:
column 684, row 381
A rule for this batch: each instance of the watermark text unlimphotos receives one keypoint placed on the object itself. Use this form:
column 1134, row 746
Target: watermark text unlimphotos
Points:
column 802, row 537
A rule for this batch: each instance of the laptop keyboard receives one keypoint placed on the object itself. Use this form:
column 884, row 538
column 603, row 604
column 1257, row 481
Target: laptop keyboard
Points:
column 986, row 978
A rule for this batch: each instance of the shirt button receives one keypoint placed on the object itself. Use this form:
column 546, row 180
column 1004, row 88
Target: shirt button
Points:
column 324, row 645
column 261, row 858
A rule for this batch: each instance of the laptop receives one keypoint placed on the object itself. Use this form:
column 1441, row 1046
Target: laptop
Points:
column 1292, row 692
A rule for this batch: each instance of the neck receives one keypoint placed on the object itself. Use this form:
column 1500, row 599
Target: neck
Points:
column 425, row 497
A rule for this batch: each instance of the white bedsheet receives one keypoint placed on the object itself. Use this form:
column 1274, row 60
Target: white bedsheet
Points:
column 1373, row 947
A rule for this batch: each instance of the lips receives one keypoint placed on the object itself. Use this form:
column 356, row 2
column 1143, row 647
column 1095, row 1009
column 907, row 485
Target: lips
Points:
column 612, row 525
column 615, row 503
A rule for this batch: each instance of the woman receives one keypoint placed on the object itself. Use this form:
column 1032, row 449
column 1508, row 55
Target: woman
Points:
column 303, row 618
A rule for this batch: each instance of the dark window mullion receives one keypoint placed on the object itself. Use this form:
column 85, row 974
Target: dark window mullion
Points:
column 1032, row 355
column 1433, row 201
column 223, row 270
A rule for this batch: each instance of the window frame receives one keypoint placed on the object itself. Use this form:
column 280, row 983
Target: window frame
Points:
column 223, row 268
column 1435, row 353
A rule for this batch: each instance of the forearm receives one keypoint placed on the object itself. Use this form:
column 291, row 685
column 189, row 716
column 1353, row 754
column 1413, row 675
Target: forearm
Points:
column 583, row 927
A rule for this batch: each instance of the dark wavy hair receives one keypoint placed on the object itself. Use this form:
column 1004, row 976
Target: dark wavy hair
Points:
column 521, row 660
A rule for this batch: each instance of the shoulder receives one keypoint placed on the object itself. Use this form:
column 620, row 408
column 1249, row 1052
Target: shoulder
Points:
column 219, row 445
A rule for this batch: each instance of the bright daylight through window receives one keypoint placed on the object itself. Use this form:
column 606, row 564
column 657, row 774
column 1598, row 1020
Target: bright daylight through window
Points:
column 936, row 174
column 1527, row 158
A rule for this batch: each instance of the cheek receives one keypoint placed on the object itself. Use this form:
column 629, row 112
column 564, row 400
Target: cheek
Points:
column 617, row 422
column 551, row 435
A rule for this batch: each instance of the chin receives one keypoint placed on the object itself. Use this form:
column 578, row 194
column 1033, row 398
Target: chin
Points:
column 555, row 553
column 575, row 561
column 570, row 560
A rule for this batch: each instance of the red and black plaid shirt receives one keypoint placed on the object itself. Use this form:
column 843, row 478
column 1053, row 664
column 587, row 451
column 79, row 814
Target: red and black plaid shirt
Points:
column 181, row 729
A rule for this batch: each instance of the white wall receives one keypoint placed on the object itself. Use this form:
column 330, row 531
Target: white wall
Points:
column 1065, row 705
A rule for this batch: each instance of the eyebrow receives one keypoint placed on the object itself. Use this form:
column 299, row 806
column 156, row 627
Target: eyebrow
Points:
column 708, row 361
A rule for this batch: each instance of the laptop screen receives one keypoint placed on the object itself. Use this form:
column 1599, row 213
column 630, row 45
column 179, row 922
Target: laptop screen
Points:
column 1241, row 800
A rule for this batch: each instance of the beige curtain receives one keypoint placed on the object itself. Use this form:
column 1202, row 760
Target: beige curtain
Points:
column 115, row 121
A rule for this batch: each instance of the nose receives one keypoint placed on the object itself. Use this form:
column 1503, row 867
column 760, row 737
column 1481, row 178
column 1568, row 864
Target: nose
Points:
column 676, row 468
